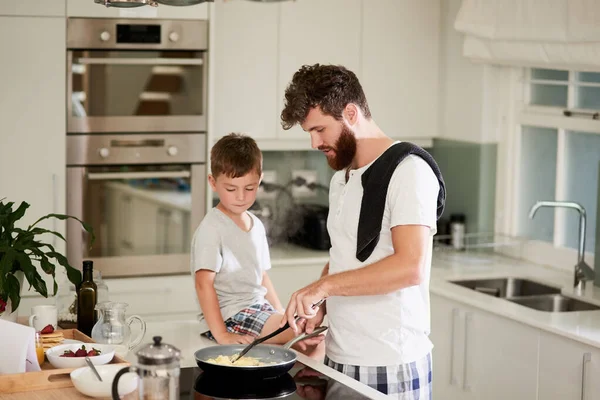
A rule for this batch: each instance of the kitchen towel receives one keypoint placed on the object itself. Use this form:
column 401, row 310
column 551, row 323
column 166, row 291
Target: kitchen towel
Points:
column 375, row 182
column 17, row 348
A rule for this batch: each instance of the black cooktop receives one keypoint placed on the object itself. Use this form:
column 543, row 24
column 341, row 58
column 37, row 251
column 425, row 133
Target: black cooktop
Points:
column 299, row 383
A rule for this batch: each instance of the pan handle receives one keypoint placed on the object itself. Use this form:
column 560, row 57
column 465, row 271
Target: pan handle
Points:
column 303, row 336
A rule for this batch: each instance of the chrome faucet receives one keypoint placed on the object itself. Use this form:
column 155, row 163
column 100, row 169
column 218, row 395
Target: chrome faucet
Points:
column 583, row 272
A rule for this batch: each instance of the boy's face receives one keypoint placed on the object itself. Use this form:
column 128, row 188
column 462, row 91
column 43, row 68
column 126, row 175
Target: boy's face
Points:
column 236, row 194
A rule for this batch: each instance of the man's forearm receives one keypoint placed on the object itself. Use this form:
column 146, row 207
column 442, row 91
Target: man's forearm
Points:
column 385, row 276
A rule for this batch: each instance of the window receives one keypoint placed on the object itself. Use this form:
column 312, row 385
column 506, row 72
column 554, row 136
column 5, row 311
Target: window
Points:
column 557, row 155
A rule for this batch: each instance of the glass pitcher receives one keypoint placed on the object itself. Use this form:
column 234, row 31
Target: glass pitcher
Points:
column 115, row 329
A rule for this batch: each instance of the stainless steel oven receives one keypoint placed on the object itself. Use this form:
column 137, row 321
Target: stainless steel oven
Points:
column 144, row 194
column 128, row 75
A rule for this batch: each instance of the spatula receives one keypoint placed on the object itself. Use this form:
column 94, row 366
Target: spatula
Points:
column 270, row 335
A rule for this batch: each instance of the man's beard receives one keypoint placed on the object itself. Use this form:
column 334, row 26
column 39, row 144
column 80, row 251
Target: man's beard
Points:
column 344, row 150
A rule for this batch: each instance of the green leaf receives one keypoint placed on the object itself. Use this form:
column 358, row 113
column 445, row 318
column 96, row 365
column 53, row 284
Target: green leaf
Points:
column 13, row 217
column 88, row 228
column 13, row 289
column 73, row 274
column 33, row 277
column 6, row 262
column 39, row 231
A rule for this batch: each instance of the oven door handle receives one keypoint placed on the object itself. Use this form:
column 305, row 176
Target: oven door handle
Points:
column 100, row 176
column 138, row 61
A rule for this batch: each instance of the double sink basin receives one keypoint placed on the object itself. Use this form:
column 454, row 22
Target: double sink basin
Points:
column 528, row 293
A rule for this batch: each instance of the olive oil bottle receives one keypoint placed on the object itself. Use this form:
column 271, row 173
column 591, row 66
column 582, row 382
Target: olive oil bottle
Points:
column 87, row 296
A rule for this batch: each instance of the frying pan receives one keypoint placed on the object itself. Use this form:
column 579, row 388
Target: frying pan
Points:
column 282, row 357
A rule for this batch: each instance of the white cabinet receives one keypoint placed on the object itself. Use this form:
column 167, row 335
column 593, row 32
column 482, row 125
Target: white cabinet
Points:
column 155, row 296
column 34, row 8
column 87, row 8
column 245, row 55
column 391, row 45
column 316, row 31
column 569, row 370
column 32, row 116
column 400, row 65
column 472, row 346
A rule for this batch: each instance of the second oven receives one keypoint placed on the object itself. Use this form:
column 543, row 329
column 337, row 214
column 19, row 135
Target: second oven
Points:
column 144, row 195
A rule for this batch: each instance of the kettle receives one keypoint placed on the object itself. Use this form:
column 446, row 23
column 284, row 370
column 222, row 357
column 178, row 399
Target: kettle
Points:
column 158, row 372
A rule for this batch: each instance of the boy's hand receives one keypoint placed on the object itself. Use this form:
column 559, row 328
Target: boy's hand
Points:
column 233, row 338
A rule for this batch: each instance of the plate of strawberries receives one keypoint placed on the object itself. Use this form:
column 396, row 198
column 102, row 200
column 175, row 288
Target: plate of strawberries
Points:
column 73, row 355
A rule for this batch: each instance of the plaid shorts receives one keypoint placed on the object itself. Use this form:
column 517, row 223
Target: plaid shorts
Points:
column 249, row 321
column 405, row 382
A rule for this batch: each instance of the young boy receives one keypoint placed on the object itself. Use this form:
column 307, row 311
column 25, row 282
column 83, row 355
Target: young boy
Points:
column 230, row 253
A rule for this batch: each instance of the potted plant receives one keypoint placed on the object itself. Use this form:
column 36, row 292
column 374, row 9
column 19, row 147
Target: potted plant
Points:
column 21, row 250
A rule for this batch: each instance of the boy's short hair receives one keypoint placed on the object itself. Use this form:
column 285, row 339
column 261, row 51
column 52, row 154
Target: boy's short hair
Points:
column 235, row 155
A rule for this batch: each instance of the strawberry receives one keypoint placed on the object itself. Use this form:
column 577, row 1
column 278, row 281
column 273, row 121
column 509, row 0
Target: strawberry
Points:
column 81, row 352
column 47, row 329
column 68, row 353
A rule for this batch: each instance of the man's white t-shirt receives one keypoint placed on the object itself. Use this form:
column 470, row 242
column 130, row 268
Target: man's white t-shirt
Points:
column 390, row 329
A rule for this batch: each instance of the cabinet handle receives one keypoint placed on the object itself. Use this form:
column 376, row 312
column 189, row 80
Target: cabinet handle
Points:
column 453, row 345
column 54, row 206
column 587, row 357
column 465, row 360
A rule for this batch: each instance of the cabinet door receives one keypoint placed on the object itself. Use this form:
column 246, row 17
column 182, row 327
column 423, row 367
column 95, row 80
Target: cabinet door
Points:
column 501, row 358
column 32, row 119
column 316, row 31
column 38, row 8
column 87, row 8
column 447, row 331
column 478, row 355
column 569, row 370
column 156, row 296
column 32, row 111
column 245, row 59
column 400, row 53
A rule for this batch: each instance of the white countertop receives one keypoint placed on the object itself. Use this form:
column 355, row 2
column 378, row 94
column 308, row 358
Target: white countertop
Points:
column 583, row 326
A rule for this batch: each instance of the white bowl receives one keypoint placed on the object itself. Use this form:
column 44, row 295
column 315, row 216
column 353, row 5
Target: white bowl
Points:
column 53, row 354
column 88, row 384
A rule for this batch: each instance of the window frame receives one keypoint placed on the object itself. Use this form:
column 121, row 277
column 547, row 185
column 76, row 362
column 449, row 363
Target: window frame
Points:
column 520, row 113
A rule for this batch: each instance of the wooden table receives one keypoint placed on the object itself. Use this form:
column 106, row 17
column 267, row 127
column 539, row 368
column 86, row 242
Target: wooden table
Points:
column 56, row 394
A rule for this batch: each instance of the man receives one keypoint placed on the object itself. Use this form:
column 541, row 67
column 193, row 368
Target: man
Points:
column 377, row 308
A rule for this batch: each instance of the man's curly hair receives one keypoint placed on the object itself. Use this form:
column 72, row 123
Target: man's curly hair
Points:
column 329, row 87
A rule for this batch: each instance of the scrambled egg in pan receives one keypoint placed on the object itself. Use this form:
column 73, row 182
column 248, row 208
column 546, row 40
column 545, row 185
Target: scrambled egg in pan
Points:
column 242, row 362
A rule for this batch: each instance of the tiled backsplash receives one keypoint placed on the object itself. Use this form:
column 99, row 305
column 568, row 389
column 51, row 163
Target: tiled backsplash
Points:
column 469, row 171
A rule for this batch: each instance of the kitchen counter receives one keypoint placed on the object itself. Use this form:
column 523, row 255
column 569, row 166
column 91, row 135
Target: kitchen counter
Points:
column 583, row 326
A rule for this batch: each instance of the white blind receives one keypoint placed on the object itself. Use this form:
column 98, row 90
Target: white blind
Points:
column 538, row 33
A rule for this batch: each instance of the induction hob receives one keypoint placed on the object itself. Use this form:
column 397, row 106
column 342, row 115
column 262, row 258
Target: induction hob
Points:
column 196, row 384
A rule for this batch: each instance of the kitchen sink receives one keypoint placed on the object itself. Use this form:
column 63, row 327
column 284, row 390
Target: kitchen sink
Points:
column 554, row 303
column 508, row 287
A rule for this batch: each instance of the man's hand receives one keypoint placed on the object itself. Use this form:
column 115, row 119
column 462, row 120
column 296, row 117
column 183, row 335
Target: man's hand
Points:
column 233, row 338
column 309, row 326
column 302, row 301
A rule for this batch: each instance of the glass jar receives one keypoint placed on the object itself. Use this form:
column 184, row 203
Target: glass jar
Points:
column 102, row 288
column 66, row 305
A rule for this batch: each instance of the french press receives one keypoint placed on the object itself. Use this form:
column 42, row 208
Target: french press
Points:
column 158, row 372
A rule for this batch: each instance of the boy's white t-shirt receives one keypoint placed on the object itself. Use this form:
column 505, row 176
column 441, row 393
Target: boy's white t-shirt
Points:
column 390, row 329
column 239, row 259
